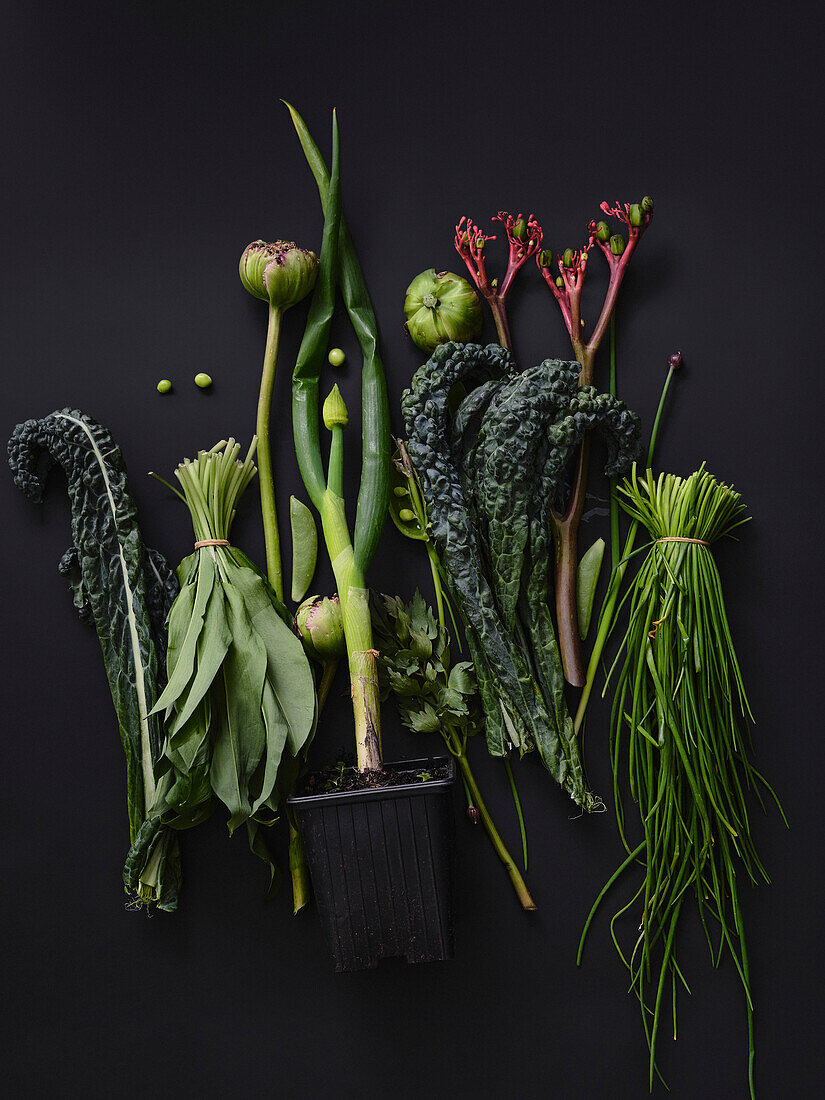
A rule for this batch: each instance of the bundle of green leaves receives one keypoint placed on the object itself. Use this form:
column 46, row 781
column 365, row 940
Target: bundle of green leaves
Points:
column 240, row 702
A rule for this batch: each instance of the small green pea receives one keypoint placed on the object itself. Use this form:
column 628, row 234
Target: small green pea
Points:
column 336, row 357
column 164, row 386
column 203, row 380
column 400, row 491
column 407, row 514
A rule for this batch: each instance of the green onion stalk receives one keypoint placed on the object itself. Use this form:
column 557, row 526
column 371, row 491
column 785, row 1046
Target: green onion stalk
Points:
column 350, row 555
column 678, row 715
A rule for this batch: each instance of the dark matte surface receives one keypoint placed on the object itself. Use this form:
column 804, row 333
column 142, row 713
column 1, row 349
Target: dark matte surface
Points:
column 143, row 146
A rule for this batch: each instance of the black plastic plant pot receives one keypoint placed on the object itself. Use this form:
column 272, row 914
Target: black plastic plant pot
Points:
column 381, row 862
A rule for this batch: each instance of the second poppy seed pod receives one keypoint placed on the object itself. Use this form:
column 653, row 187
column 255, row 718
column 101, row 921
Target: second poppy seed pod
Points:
column 321, row 628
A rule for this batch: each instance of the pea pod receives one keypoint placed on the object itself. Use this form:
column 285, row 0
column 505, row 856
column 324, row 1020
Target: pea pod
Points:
column 304, row 547
column 407, row 509
column 590, row 566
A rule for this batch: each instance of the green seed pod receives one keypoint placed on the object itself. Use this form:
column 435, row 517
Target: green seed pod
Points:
column 279, row 272
column 567, row 258
column 617, row 244
column 320, row 627
column 335, row 411
column 636, row 215
column 603, row 232
column 545, row 257
column 441, row 307
column 560, row 283
column 520, row 230
column 647, row 204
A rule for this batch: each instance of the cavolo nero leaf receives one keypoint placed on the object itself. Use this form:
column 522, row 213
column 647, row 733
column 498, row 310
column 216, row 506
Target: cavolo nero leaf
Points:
column 490, row 472
column 120, row 586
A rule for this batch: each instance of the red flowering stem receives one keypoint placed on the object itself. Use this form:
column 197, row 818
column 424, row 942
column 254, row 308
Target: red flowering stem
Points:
column 497, row 308
column 617, row 273
column 524, row 237
column 565, row 539
column 565, row 531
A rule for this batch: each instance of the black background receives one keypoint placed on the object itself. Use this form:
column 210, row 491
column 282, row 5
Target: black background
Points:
column 143, row 146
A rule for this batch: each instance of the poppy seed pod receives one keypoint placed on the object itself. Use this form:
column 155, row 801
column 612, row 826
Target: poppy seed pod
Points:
column 278, row 272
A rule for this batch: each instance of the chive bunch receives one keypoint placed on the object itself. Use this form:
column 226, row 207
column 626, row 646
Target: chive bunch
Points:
column 677, row 719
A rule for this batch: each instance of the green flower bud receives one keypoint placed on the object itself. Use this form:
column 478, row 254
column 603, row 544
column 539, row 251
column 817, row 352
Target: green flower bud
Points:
column 567, row 258
column 320, row 627
column 335, row 411
column 520, row 230
column 636, row 215
column 280, row 272
column 617, row 244
column 603, row 232
column 545, row 257
column 647, row 204
column 441, row 307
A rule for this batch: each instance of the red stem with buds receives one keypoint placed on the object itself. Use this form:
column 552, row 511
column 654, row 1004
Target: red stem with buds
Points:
column 524, row 237
column 572, row 266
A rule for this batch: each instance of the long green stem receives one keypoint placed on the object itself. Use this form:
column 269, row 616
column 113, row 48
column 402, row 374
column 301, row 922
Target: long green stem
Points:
column 608, row 608
column 512, row 781
column 503, row 854
column 614, row 503
column 273, row 543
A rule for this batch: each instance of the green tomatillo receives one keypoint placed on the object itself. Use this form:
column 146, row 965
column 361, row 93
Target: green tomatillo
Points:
column 441, row 307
